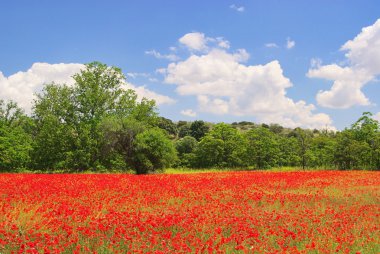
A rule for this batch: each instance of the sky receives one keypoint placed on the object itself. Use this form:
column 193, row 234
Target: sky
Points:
column 313, row 64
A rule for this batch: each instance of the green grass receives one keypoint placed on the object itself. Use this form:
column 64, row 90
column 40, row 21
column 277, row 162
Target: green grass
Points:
column 166, row 171
column 215, row 170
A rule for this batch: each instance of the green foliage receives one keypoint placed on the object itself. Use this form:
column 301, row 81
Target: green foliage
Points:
column 168, row 126
column 184, row 130
column 68, row 119
column 263, row 148
column 351, row 153
column 321, row 151
column 186, row 145
column 152, row 151
column 288, row 155
column 223, row 146
column 198, row 129
column 15, row 140
column 304, row 139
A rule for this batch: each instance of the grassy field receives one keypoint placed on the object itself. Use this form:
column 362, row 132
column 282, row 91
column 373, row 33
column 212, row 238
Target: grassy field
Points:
column 212, row 212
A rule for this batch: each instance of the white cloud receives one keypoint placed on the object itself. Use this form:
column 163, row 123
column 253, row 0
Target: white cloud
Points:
column 290, row 43
column 194, row 41
column 222, row 85
column 198, row 42
column 346, row 90
column 377, row 116
column 21, row 87
column 143, row 92
column 271, row 45
column 241, row 55
column 189, row 112
column 237, row 8
column 223, row 43
column 158, row 55
column 363, row 58
column 363, row 51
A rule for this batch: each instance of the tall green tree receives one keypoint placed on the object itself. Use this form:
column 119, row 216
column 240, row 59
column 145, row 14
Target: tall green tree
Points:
column 198, row 129
column 185, row 148
column 349, row 152
column 15, row 137
column 304, row 140
column 263, row 148
column 321, row 151
column 68, row 118
column 289, row 151
column 366, row 129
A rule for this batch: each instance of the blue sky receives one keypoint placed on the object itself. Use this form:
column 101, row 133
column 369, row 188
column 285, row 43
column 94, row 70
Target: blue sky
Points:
column 262, row 61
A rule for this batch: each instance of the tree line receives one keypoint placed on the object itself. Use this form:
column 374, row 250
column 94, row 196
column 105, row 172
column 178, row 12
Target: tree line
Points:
column 98, row 125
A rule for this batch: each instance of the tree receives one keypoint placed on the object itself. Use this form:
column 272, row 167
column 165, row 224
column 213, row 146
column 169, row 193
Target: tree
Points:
column 209, row 152
column 15, row 141
column 119, row 134
column 198, row 129
column 223, row 146
column 68, row 118
column 153, row 151
column 351, row 153
column 57, row 140
column 321, row 152
column 303, row 138
column 366, row 129
column 184, row 130
column 276, row 128
column 263, row 148
column 288, row 154
column 168, row 126
column 185, row 148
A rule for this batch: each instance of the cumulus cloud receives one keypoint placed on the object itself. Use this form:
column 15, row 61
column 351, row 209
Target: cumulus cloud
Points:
column 198, row 42
column 271, row 45
column 143, row 92
column 189, row 112
column 222, row 85
column 22, row 86
column 158, row 55
column 290, row 43
column 346, row 90
column 222, row 42
column 194, row 41
column 363, row 57
column 237, row 8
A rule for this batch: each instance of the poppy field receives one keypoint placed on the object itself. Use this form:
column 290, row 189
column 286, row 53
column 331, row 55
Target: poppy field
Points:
column 231, row 212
